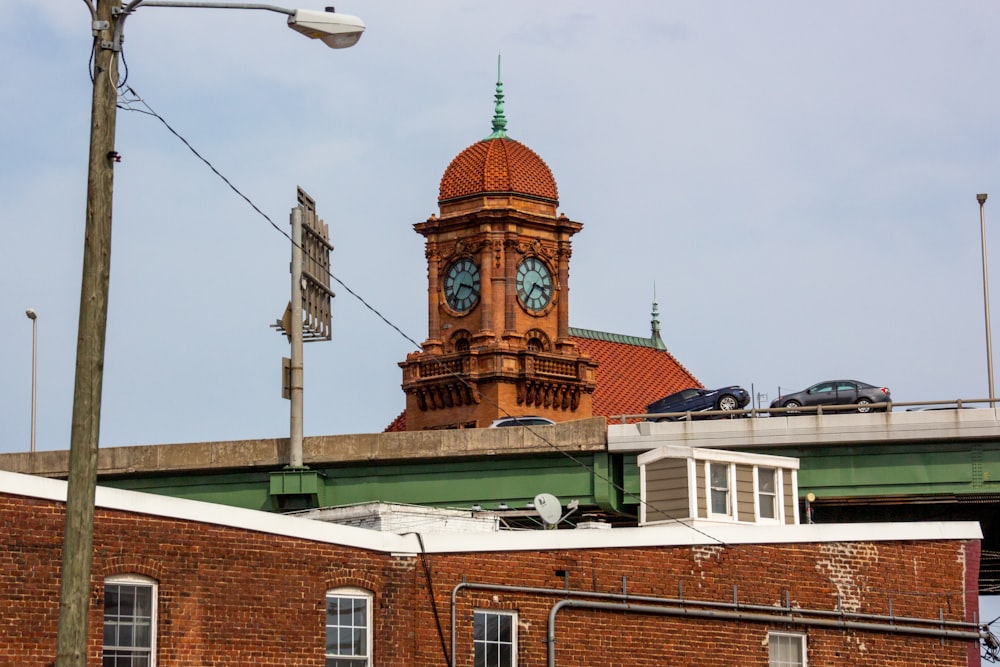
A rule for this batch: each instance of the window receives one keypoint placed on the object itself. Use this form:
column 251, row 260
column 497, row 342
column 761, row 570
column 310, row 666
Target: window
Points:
column 718, row 487
column 786, row 650
column 348, row 623
column 129, row 621
column 767, row 493
column 494, row 638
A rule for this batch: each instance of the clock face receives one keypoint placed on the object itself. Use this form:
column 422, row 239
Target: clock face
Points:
column 534, row 284
column 461, row 285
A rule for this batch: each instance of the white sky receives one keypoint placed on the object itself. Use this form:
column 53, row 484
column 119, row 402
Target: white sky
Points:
column 798, row 181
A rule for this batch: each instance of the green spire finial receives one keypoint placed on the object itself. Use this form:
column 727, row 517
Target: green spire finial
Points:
column 499, row 120
column 655, row 337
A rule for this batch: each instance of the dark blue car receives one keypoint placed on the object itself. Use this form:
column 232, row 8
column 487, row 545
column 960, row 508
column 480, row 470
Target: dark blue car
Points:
column 699, row 400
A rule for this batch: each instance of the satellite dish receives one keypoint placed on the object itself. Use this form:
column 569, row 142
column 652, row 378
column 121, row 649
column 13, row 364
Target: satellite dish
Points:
column 549, row 508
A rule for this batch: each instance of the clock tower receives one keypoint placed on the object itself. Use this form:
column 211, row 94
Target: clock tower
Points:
column 498, row 254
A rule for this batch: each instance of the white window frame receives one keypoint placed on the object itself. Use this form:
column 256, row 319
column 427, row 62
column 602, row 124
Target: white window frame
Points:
column 350, row 592
column 779, row 503
column 779, row 661
column 730, row 513
column 476, row 642
column 138, row 581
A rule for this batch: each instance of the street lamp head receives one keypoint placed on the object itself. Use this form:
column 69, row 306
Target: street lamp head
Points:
column 338, row 31
column 31, row 314
column 981, row 198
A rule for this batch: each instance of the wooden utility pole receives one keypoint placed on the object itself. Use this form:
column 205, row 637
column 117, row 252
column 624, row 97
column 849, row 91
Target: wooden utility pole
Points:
column 78, row 538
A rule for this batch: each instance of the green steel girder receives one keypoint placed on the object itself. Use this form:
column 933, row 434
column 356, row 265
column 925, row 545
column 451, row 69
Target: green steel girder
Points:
column 250, row 490
column 880, row 470
column 595, row 480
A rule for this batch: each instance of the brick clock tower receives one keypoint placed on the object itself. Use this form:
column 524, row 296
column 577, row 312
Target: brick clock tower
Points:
column 497, row 296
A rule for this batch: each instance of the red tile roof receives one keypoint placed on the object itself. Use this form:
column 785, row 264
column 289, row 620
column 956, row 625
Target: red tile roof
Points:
column 632, row 372
column 498, row 165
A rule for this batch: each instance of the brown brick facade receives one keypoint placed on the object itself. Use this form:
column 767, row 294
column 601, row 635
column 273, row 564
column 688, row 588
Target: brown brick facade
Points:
column 234, row 597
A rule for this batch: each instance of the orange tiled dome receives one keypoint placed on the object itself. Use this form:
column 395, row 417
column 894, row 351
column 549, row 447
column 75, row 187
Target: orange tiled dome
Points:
column 498, row 164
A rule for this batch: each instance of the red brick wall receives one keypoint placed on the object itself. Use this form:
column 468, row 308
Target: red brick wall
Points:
column 231, row 597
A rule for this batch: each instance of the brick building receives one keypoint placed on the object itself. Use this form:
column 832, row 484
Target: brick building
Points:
column 177, row 582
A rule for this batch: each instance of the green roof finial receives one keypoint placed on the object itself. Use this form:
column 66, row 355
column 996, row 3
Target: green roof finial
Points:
column 655, row 338
column 499, row 120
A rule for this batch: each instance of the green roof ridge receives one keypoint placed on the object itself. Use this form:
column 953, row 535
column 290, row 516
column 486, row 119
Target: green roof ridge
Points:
column 614, row 338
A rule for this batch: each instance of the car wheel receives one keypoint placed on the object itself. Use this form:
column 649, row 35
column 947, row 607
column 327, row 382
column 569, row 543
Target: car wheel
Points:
column 790, row 405
column 727, row 402
column 864, row 405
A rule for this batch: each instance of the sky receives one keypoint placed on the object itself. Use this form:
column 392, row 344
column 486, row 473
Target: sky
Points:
column 796, row 181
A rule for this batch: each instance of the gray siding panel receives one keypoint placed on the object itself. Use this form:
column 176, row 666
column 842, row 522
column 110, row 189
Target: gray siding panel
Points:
column 744, row 493
column 666, row 490
column 790, row 499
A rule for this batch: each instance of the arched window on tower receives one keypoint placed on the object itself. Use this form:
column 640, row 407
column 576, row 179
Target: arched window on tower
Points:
column 537, row 341
column 461, row 341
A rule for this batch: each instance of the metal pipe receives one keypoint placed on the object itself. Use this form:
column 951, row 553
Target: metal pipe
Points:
column 783, row 614
column 981, row 198
column 784, row 617
column 295, row 339
column 33, row 316
column 119, row 32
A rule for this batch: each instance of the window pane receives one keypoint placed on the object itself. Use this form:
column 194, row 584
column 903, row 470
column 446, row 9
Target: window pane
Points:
column 786, row 650
column 765, row 477
column 720, row 475
column 720, row 504
column 504, row 629
column 767, row 507
column 360, row 641
column 360, row 612
column 345, row 645
column 767, row 494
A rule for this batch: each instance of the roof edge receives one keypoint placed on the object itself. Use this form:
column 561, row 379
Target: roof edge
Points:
column 317, row 531
column 608, row 337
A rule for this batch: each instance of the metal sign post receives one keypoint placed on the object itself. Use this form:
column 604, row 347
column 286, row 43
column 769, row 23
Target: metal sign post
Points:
column 307, row 318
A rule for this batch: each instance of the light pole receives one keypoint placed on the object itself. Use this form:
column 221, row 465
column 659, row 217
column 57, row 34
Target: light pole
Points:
column 107, row 24
column 981, row 198
column 33, row 316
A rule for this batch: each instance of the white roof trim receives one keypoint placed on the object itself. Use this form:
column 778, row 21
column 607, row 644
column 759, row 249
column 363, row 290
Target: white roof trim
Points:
column 407, row 545
column 720, row 455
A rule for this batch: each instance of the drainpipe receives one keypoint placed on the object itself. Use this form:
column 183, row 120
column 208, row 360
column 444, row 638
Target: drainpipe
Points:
column 730, row 611
column 747, row 617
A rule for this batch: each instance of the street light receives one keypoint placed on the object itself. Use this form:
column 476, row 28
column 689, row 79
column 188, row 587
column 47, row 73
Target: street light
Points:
column 981, row 198
column 107, row 24
column 33, row 316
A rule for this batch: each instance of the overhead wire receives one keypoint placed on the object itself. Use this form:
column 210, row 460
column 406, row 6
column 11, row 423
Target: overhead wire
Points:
column 127, row 106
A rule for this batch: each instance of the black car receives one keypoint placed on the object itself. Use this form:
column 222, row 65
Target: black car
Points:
column 524, row 420
column 699, row 400
column 837, row 392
